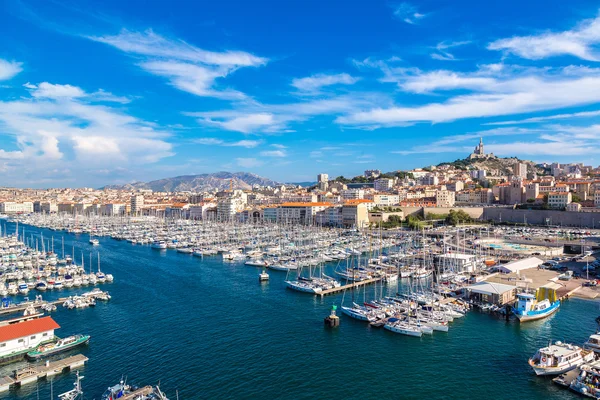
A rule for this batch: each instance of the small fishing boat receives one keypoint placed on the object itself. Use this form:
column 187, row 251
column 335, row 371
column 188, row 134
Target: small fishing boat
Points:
column 123, row 390
column 529, row 308
column 263, row 276
column 59, row 346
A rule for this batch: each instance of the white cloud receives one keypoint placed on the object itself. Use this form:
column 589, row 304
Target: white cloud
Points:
column 248, row 162
column 278, row 146
column 315, row 82
column 509, row 94
column 186, row 67
column 60, row 126
column 273, row 153
column 249, row 144
column 577, row 42
column 9, row 69
column 55, row 91
column 407, row 13
column 583, row 114
column 58, row 91
column 442, row 50
column 253, row 117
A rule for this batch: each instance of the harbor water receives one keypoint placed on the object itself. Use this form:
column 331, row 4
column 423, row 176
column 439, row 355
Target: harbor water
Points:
column 208, row 329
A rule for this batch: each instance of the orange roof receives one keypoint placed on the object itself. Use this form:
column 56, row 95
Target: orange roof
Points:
column 558, row 193
column 26, row 328
column 315, row 204
column 357, row 201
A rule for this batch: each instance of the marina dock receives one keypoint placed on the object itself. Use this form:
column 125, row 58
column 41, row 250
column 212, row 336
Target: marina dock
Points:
column 22, row 308
column 348, row 286
column 32, row 373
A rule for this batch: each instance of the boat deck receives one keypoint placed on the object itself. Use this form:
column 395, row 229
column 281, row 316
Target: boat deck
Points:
column 348, row 286
column 34, row 372
column 566, row 378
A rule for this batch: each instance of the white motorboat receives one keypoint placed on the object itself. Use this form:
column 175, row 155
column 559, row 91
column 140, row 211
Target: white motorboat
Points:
column 558, row 358
column 593, row 343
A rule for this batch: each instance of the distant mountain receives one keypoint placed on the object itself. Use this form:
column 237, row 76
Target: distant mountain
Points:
column 302, row 184
column 200, row 183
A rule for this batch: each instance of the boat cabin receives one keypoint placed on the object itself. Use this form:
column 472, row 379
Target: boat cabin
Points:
column 525, row 302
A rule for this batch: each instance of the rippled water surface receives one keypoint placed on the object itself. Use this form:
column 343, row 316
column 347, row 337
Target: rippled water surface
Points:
column 208, row 329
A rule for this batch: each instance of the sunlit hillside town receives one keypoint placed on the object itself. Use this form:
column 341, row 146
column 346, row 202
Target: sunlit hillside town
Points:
column 484, row 186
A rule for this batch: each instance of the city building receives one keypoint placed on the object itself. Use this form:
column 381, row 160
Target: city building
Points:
column 299, row 213
column 136, row 204
column 384, row 184
column 25, row 334
column 445, row 198
column 323, row 181
column 520, row 170
column 559, row 199
column 372, row 173
column 355, row 213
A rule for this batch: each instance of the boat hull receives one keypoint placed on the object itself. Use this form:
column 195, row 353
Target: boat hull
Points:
column 538, row 315
column 34, row 355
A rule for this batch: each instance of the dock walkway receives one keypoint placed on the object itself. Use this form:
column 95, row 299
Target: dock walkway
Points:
column 348, row 286
column 21, row 308
column 34, row 372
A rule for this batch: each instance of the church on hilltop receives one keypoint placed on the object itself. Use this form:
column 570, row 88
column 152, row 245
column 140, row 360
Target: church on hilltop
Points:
column 479, row 153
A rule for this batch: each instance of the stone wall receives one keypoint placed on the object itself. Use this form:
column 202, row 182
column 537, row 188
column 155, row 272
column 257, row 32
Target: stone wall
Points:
column 543, row 217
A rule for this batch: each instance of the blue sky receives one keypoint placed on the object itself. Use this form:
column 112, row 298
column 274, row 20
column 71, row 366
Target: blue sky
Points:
column 118, row 91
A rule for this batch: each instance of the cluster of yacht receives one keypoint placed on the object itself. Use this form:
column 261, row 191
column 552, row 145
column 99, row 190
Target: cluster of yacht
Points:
column 417, row 314
column 23, row 269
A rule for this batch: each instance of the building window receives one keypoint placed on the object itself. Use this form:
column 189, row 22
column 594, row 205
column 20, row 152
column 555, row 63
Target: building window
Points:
column 2, row 344
column 33, row 337
column 45, row 334
column 21, row 340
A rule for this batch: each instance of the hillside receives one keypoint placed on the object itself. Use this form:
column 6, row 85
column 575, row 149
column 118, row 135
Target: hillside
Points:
column 200, row 183
column 503, row 165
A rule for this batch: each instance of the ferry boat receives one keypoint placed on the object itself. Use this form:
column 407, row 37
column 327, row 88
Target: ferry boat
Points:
column 558, row 358
column 123, row 390
column 59, row 346
column 529, row 308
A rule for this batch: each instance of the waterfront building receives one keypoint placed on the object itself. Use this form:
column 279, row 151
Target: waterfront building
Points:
column 22, row 335
column 11, row 207
column 559, row 199
column 331, row 216
column 573, row 207
column 445, row 198
column 492, row 293
column 136, row 203
column 112, row 209
column 300, row 213
column 355, row 213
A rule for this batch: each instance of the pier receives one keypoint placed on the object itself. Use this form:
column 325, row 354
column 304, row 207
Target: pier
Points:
column 348, row 286
column 23, row 307
column 33, row 373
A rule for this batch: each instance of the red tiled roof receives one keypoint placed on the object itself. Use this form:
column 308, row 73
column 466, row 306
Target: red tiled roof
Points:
column 26, row 328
